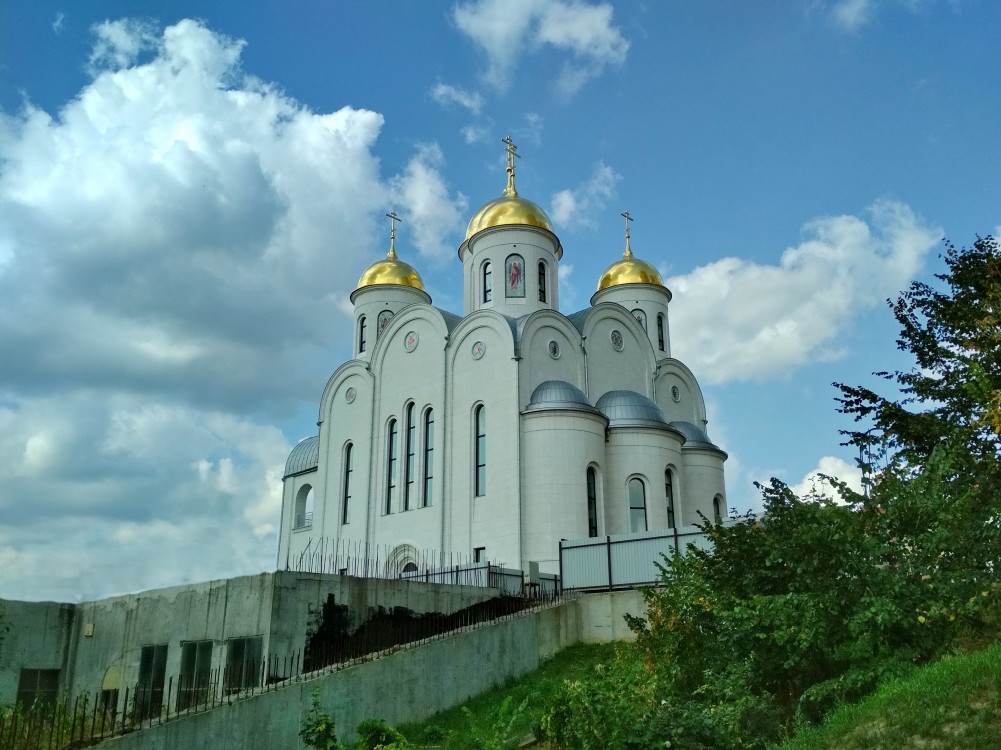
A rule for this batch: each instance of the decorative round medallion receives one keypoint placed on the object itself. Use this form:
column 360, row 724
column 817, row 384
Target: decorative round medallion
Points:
column 616, row 337
column 349, row 395
column 675, row 393
column 554, row 350
column 478, row 350
column 410, row 341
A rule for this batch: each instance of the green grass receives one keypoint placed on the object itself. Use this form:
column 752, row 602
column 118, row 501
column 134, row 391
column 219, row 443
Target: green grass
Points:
column 497, row 718
column 953, row 704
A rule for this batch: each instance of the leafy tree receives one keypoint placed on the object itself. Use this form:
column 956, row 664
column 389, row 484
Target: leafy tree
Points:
column 954, row 390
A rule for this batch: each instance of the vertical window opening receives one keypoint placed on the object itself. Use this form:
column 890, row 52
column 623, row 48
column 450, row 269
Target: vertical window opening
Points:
column 669, row 493
column 717, row 509
column 542, row 282
column 411, row 453
column 361, row 334
column 637, row 505
column 346, row 490
column 592, row 504
column 390, row 465
column 480, row 452
column 488, row 293
column 660, row 331
column 428, row 457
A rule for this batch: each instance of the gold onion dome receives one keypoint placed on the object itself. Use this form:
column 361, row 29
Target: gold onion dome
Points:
column 391, row 270
column 629, row 269
column 510, row 208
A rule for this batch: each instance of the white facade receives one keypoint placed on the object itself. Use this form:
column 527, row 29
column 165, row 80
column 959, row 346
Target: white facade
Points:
column 493, row 435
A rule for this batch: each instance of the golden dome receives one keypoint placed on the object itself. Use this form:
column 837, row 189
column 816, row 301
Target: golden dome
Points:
column 510, row 208
column 630, row 269
column 392, row 270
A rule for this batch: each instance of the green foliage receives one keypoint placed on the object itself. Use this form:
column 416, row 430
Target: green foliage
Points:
column 318, row 730
column 376, row 734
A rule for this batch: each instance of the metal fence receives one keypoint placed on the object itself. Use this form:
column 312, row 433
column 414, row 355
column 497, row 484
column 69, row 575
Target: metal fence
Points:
column 623, row 561
column 92, row 717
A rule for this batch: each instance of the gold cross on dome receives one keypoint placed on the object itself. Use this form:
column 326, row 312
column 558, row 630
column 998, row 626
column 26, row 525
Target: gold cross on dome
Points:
column 629, row 250
column 512, row 153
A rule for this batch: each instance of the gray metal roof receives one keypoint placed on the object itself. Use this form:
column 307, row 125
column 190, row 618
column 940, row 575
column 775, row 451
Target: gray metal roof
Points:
column 630, row 409
column 305, row 456
column 559, row 394
column 695, row 436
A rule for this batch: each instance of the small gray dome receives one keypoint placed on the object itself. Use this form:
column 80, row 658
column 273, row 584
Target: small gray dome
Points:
column 558, row 394
column 305, row 456
column 628, row 408
column 695, row 436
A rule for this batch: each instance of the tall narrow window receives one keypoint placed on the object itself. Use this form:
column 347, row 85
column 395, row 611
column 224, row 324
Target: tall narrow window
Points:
column 361, row 334
column 428, row 457
column 637, row 505
column 592, row 504
column 640, row 317
column 542, row 282
column 488, row 293
column 514, row 276
column 480, row 451
column 717, row 509
column 390, row 465
column 411, row 460
column 669, row 493
column 660, row 331
column 346, row 490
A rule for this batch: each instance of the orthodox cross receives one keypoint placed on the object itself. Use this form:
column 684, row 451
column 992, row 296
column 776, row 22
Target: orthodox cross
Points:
column 512, row 152
column 393, row 218
column 629, row 250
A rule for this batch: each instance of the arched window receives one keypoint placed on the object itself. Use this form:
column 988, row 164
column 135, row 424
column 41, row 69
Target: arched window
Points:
column 640, row 317
column 488, row 292
column 637, row 505
column 428, row 457
column 346, row 486
column 361, row 334
column 542, row 281
column 669, row 494
column 303, row 507
column 383, row 322
column 390, row 465
column 411, row 453
column 480, row 452
column 660, row 331
column 514, row 276
column 718, row 509
column 592, row 503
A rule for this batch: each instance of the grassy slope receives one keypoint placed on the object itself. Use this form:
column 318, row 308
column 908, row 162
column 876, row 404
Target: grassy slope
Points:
column 953, row 704
column 458, row 728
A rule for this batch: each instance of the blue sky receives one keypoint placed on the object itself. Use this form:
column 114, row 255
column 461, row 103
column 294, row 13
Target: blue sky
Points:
column 188, row 196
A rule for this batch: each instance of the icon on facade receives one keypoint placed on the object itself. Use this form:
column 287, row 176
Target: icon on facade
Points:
column 554, row 350
column 349, row 395
column 478, row 350
column 616, row 337
column 410, row 341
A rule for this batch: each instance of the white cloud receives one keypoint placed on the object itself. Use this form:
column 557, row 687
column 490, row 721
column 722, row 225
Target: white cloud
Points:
column 58, row 23
column 447, row 95
column 176, row 247
column 508, row 29
column 815, row 483
column 475, row 134
column 852, row 15
column 578, row 207
column 432, row 213
column 734, row 320
column 568, row 292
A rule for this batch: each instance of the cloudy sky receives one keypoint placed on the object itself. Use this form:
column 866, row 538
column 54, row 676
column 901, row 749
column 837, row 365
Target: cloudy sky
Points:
column 188, row 197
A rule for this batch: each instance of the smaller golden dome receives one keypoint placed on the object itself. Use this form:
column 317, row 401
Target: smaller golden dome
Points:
column 630, row 269
column 391, row 270
column 510, row 208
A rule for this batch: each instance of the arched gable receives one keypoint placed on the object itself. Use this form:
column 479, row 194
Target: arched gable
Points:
column 688, row 404
column 612, row 365
column 429, row 319
column 551, row 349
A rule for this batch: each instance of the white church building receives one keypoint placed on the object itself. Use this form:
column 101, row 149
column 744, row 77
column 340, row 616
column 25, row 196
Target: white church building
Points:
column 494, row 434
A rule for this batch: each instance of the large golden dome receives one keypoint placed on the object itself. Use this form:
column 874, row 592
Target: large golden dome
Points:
column 510, row 208
column 629, row 269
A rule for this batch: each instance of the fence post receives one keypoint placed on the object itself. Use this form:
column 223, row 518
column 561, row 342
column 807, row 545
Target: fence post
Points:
column 608, row 555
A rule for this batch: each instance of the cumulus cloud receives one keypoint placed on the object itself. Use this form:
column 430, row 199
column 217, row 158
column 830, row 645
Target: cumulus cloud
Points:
column 176, row 247
column 737, row 320
column 852, row 15
column 508, row 29
column 447, row 95
column 816, row 481
column 577, row 207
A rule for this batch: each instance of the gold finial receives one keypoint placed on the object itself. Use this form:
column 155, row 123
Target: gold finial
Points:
column 629, row 251
column 512, row 152
column 393, row 218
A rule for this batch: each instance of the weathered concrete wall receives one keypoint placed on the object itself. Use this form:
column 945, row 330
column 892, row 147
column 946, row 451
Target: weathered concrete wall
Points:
column 602, row 615
column 406, row 686
column 38, row 638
